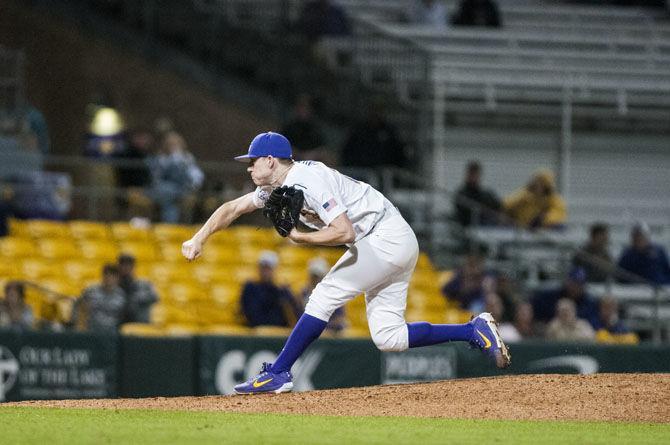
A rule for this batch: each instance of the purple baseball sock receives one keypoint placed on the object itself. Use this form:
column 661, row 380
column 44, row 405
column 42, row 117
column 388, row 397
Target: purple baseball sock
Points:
column 426, row 334
column 304, row 333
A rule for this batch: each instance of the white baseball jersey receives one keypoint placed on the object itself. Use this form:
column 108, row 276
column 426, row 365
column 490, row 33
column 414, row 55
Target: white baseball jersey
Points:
column 379, row 263
column 328, row 193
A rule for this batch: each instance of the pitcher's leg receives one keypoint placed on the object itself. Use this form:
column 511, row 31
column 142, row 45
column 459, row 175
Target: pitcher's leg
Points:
column 349, row 277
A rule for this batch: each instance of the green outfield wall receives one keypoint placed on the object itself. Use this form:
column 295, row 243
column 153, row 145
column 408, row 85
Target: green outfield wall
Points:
column 70, row 365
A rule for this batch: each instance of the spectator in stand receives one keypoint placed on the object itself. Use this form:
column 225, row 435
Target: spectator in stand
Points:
column 374, row 142
column 594, row 256
column 317, row 269
column 15, row 314
column 323, row 18
column 264, row 303
column 101, row 306
column 477, row 13
column 610, row 328
column 307, row 139
column 139, row 146
column 544, row 302
column 566, row 326
column 538, row 205
column 6, row 210
column 174, row 177
column 644, row 259
column 432, row 13
column 507, row 289
column 135, row 177
column 472, row 192
column 140, row 295
column 38, row 127
column 470, row 284
column 523, row 327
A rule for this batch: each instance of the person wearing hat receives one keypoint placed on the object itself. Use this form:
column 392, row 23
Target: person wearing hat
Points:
column 263, row 302
column 644, row 259
column 140, row 294
column 574, row 288
column 537, row 205
column 380, row 260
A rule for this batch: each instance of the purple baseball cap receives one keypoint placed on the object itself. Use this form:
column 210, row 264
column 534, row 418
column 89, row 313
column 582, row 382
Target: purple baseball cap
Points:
column 267, row 144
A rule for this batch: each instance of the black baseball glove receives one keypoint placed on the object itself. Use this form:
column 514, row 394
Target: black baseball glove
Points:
column 283, row 208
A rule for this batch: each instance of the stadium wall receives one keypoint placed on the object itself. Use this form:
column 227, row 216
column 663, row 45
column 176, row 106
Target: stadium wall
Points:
column 37, row 365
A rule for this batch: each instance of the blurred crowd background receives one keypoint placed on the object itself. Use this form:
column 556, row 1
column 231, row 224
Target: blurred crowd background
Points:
column 526, row 142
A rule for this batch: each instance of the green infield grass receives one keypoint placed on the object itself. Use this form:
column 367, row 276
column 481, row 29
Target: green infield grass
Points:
column 53, row 426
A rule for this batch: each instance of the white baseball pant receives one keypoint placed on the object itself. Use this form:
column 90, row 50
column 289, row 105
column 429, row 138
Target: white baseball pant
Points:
column 379, row 265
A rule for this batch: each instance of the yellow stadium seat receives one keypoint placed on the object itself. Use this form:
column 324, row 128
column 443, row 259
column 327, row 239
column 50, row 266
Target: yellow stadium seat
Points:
column 48, row 229
column 455, row 316
column 162, row 272
column 222, row 254
column 331, row 254
column 207, row 274
column 225, row 294
column 182, row 292
column 214, row 314
column 158, row 314
column 78, row 270
column 142, row 330
column 443, row 277
column 296, row 256
column 58, row 248
column 244, row 273
column 355, row 313
column 143, row 269
column 223, row 305
column 271, row 331
column 226, row 329
column 260, row 236
column 179, row 313
column 182, row 329
column 141, row 250
column 99, row 250
column 170, row 251
column 39, row 268
column 18, row 228
column 35, row 299
column 14, row 247
column 225, row 237
column 127, row 232
column 354, row 333
column 249, row 254
column 172, row 233
column 9, row 269
column 424, row 262
column 60, row 286
column 425, row 277
column 90, row 230
column 295, row 279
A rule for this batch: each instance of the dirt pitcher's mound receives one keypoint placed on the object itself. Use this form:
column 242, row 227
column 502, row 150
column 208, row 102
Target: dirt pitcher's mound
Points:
column 619, row 397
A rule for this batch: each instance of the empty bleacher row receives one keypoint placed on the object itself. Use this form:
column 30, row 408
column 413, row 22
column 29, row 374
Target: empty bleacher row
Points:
column 61, row 259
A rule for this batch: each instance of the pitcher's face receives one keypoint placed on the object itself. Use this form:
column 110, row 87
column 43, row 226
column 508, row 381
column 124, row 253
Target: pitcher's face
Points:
column 260, row 170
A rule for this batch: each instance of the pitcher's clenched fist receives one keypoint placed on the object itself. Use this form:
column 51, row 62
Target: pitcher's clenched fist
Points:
column 191, row 249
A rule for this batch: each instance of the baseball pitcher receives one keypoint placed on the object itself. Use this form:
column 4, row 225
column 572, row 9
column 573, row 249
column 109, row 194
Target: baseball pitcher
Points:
column 382, row 254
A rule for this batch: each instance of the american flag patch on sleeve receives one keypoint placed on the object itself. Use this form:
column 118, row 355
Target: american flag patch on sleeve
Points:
column 330, row 204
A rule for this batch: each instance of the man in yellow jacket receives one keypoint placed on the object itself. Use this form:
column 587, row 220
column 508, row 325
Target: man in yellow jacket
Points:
column 537, row 205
